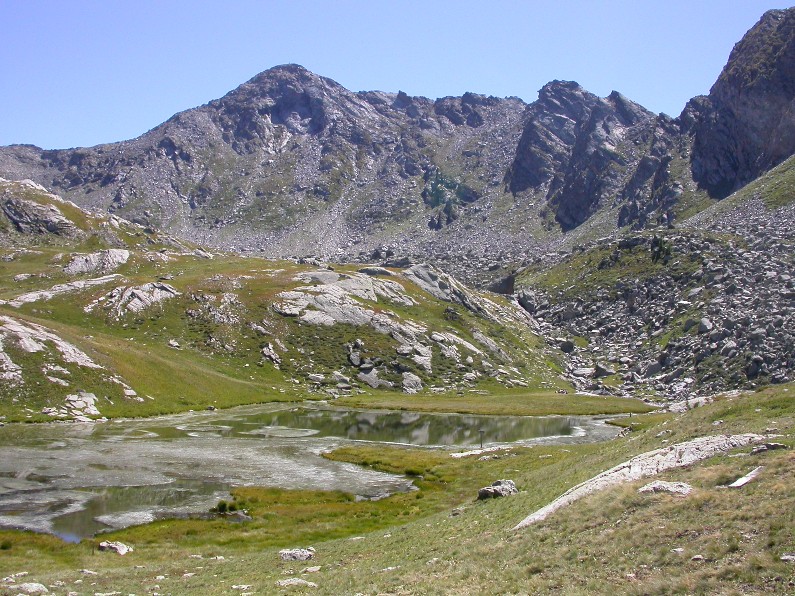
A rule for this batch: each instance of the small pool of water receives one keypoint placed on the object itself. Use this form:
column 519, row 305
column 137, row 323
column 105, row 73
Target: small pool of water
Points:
column 75, row 480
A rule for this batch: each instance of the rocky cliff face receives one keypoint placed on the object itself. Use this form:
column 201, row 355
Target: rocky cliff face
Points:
column 747, row 123
column 583, row 153
column 291, row 163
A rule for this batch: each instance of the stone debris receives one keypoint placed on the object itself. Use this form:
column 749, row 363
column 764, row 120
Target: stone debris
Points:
column 29, row 588
column 661, row 486
column 269, row 353
column 103, row 261
column 297, row 554
column 116, row 547
column 768, row 447
column 295, row 582
column 740, row 482
column 788, row 557
column 57, row 290
column 646, row 464
column 81, row 406
column 727, row 302
column 499, row 488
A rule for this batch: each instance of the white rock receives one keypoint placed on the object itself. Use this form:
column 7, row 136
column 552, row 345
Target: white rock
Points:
column 740, row 482
column 104, row 261
column 297, row 554
column 32, row 337
column 411, row 383
column 72, row 286
column 292, row 582
column 116, row 547
column 30, row 588
column 660, row 486
column 643, row 465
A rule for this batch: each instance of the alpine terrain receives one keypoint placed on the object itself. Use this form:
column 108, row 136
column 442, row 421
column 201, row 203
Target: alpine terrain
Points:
column 295, row 240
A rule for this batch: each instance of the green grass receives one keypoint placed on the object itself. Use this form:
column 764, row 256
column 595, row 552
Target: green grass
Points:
column 440, row 540
column 776, row 188
column 220, row 360
column 583, row 274
column 506, row 403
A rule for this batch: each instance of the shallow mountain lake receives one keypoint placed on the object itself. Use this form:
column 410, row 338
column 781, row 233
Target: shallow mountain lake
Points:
column 77, row 479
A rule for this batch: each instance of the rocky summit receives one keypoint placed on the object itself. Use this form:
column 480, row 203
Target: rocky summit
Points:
column 636, row 252
column 293, row 164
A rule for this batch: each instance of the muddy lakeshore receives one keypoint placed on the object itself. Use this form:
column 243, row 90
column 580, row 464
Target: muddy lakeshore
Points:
column 78, row 479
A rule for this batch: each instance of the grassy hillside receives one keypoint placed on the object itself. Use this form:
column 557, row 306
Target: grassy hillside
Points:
column 172, row 328
column 439, row 540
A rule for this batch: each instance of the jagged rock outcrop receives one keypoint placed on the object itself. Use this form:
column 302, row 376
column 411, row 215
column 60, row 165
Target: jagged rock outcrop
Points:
column 361, row 301
column 103, row 261
column 34, row 217
column 135, row 299
column 583, row 153
column 746, row 125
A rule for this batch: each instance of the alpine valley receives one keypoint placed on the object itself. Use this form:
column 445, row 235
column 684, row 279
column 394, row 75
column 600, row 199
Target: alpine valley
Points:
column 296, row 240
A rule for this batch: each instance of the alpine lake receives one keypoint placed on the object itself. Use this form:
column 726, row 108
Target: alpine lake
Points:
column 75, row 480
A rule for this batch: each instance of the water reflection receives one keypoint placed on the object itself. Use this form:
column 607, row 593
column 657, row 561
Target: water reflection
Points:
column 409, row 427
column 75, row 480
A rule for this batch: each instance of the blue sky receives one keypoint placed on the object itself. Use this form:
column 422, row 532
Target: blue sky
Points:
column 80, row 72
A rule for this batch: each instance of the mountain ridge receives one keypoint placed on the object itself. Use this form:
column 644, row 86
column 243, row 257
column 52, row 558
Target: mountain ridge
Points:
column 291, row 163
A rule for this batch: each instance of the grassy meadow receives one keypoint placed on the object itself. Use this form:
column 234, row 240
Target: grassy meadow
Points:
column 440, row 540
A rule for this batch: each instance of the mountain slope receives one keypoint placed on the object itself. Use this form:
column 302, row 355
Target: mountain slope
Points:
column 100, row 316
column 706, row 307
column 291, row 163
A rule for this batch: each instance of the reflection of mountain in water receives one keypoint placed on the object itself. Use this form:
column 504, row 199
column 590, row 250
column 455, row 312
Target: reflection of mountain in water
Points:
column 418, row 429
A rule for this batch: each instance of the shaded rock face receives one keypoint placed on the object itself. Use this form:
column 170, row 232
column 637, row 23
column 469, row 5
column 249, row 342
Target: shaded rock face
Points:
column 583, row 152
column 30, row 217
column 747, row 123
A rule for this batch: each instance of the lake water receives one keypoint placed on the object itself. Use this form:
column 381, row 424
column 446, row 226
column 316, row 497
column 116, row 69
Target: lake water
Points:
column 75, row 480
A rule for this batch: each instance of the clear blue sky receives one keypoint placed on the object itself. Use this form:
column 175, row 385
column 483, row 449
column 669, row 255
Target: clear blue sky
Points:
column 80, row 72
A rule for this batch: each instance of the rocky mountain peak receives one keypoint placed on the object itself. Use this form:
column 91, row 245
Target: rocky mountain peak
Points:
column 291, row 164
column 565, row 98
column 747, row 123
column 763, row 57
